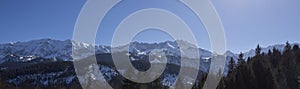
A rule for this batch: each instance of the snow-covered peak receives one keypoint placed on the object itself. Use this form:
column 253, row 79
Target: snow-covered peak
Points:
column 45, row 48
column 169, row 47
column 62, row 50
column 279, row 47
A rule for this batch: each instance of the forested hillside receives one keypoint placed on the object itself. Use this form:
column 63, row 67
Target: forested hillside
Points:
column 272, row 70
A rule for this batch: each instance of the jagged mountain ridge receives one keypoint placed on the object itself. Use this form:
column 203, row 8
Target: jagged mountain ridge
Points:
column 35, row 51
column 62, row 50
column 56, row 49
column 279, row 47
column 43, row 48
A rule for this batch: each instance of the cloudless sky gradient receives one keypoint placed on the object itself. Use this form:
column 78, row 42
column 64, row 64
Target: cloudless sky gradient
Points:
column 246, row 22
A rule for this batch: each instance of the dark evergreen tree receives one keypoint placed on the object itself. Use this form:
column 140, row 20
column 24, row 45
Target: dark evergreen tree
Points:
column 269, row 52
column 257, row 50
column 296, row 50
column 231, row 65
column 287, row 46
column 295, row 47
column 241, row 60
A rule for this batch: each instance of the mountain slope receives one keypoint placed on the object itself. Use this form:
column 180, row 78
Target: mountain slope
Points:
column 43, row 48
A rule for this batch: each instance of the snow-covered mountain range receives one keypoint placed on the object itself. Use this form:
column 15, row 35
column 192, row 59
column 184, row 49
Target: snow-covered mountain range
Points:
column 56, row 51
column 62, row 50
column 43, row 48
column 279, row 47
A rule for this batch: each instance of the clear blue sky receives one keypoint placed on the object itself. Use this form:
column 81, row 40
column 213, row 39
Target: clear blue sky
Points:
column 246, row 22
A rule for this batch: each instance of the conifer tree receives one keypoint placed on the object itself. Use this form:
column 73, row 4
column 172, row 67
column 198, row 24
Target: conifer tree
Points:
column 296, row 47
column 257, row 50
column 231, row 65
column 287, row 46
column 241, row 60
